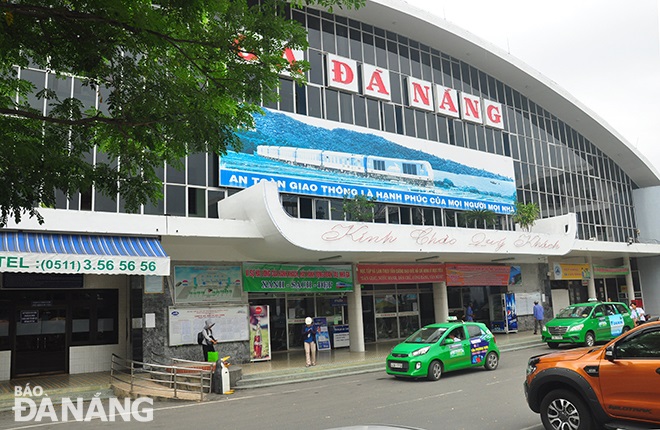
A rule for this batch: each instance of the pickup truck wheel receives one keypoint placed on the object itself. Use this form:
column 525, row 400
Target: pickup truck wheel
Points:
column 589, row 339
column 563, row 410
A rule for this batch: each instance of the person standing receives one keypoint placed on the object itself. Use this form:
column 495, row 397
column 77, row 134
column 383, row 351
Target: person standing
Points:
column 469, row 312
column 209, row 341
column 309, row 341
column 538, row 316
column 637, row 313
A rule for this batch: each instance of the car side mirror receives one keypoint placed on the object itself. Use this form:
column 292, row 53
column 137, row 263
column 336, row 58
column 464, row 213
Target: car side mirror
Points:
column 609, row 353
column 448, row 341
column 598, row 314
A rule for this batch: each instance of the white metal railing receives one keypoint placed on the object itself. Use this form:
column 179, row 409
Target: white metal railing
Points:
column 179, row 379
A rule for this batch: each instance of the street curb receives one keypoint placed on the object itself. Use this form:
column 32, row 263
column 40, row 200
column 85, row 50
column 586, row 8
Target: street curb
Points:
column 271, row 379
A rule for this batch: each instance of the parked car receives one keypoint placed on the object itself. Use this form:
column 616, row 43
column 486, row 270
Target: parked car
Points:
column 444, row 347
column 613, row 386
column 587, row 323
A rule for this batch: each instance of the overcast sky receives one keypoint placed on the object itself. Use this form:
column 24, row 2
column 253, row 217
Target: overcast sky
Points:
column 606, row 53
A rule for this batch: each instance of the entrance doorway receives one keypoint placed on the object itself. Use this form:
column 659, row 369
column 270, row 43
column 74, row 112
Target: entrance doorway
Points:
column 40, row 344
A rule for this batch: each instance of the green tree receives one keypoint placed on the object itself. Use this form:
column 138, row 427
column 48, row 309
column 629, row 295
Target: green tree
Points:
column 526, row 214
column 480, row 217
column 359, row 208
column 177, row 77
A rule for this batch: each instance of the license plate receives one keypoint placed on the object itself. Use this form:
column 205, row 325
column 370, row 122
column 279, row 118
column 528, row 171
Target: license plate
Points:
column 396, row 365
column 557, row 337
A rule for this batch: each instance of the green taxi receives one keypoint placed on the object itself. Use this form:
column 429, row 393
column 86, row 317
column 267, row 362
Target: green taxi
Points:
column 444, row 347
column 587, row 323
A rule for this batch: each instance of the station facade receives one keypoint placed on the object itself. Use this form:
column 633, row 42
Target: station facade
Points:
column 431, row 133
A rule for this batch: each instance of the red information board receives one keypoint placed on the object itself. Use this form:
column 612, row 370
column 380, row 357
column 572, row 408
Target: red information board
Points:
column 400, row 273
column 472, row 275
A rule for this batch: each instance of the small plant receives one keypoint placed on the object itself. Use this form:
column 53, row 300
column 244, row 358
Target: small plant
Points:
column 359, row 208
column 526, row 214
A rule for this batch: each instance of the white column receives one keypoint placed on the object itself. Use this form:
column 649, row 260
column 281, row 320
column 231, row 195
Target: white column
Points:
column 356, row 329
column 440, row 303
column 629, row 280
column 591, row 286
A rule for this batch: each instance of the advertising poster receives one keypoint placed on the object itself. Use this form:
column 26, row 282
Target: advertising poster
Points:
column 340, row 336
column 321, row 158
column 515, row 276
column 231, row 323
column 573, row 272
column 207, row 284
column 511, row 312
column 322, row 335
column 259, row 333
column 281, row 278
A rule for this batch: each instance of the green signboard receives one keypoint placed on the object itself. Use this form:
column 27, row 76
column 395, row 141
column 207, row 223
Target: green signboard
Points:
column 273, row 278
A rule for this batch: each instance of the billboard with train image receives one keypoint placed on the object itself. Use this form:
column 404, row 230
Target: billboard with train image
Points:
column 325, row 159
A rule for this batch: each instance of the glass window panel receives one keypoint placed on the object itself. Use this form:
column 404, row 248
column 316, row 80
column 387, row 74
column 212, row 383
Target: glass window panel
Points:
column 197, row 202
column 346, row 110
column 322, row 209
column 389, row 120
column 381, row 53
column 290, row 205
column 175, row 200
column 315, row 59
column 176, row 175
column 420, row 123
column 328, row 36
column 392, row 56
column 342, row 40
column 301, row 98
column 314, row 105
column 286, row 95
column 336, row 210
column 197, row 169
column 38, row 79
column 360, row 111
column 410, row 121
column 314, row 32
column 373, row 114
column 368, row 49
column 331, row 105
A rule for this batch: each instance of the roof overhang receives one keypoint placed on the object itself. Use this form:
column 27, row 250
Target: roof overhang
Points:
column 440, row 34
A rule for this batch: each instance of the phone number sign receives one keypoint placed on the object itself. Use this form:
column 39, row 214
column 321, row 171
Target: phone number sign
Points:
column 96, row 264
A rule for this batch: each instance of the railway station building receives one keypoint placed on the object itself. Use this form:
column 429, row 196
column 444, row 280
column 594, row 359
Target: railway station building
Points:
column 377, row 198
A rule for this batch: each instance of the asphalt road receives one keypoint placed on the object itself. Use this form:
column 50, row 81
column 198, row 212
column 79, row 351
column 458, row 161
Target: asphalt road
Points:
column 472, row 399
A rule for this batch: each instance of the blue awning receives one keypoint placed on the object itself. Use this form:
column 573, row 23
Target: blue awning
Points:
column 75, row 253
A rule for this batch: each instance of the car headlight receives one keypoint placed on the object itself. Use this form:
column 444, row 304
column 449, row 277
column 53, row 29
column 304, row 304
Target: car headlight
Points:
column 531, row 364
column 421, row 351
column 576, row 327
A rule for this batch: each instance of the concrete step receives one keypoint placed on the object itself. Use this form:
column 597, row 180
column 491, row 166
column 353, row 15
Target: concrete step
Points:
column 288, row 376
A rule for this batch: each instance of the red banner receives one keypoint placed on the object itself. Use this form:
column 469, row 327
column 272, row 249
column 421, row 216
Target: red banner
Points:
column 400, row 273
column 472, row 275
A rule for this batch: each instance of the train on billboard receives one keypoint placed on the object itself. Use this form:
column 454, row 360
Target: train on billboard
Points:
column 320, row 158
column 414, row 170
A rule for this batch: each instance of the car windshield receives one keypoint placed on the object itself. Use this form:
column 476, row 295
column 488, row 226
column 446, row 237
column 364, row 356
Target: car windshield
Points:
column 426, row 335
column 575, row 312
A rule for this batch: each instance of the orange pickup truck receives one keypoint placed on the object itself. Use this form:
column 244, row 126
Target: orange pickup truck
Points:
column 616, row 385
